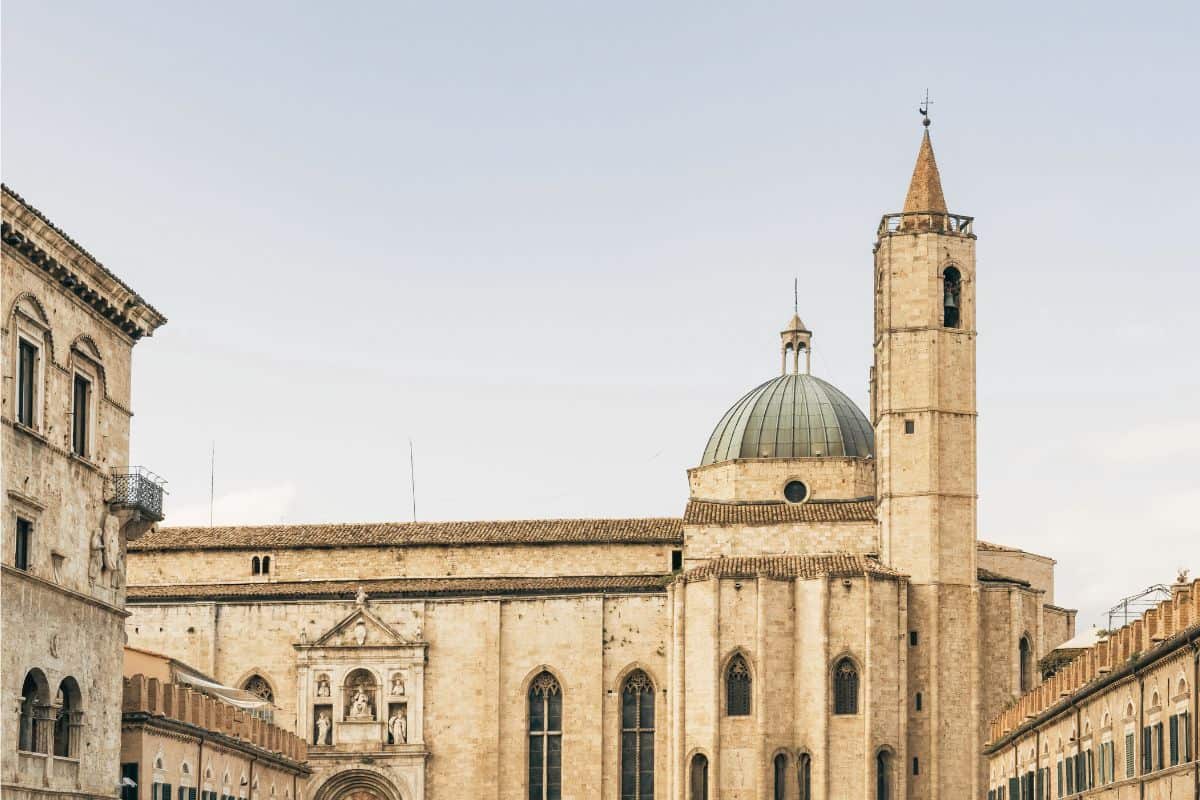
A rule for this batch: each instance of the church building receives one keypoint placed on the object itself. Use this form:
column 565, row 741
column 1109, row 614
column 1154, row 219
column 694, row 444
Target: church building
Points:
column 821, row 622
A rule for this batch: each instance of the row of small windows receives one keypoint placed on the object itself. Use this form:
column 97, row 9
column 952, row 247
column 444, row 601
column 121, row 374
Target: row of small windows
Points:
column 1162, row 747
column 50, row 726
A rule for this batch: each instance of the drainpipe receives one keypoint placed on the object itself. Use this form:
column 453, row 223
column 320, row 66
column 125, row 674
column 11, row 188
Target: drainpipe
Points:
column 200, row 769
column 1141, row 736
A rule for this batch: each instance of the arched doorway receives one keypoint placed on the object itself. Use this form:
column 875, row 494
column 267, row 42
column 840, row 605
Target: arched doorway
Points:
column 358, row 784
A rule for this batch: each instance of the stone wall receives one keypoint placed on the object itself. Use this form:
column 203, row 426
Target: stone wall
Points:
column 214, row 566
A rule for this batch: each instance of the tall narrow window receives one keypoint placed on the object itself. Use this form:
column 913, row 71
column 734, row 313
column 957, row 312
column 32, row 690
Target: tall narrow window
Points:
column 1025, row 653
column 80, row 422
column 883, row 776
column 24, row 538
column 805, row 777
column 951, row 297
column 1129, row 739
column 737, row 687
column 545, row 738
column 266, row 565
column 27, row 738
column 781, row 777
column 26, row 381
column 255, row 566
column 845, row 687
column 699, row 777
column 637, row 737
column 129, row 781
column 1174, row 726
column 66, row 712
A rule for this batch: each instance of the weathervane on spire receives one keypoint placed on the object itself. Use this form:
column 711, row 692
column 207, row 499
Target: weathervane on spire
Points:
column 924, row 109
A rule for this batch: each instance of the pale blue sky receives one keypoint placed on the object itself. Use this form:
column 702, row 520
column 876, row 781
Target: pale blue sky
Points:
column 552, row 242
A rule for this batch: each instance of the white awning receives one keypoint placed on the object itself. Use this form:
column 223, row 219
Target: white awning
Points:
column 235, row 697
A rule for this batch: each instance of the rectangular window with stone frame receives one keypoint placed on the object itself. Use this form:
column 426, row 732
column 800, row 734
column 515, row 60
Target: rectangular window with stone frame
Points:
column 26, row 383
column 81, row 418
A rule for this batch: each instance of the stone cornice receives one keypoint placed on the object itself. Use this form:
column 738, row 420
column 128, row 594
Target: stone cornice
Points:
column 84, row 276
column 54, row 587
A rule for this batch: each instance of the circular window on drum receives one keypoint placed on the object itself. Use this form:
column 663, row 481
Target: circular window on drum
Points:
column 795, row 491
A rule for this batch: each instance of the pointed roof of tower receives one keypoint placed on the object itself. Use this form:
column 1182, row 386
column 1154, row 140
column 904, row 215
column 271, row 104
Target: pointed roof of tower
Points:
column 925, row 189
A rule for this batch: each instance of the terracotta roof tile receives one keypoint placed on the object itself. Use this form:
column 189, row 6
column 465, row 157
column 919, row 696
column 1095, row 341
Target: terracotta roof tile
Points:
column 384, row 534
column 702, row 512
column 400, row 587
column 809, row 566
column 987, row 576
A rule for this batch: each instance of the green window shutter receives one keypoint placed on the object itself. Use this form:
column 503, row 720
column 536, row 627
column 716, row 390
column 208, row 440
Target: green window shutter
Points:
column 1060, row 778
column 1174, row 740
column 1014, row 788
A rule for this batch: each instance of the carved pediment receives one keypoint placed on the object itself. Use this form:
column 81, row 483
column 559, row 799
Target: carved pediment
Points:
column 361, row 628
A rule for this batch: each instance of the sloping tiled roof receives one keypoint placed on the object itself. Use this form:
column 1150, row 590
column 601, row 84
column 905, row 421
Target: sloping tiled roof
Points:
column 399, row 587
column 995, row 548
column 987, row 576
column 702, row 512
column 810, row 566
column 383, row 534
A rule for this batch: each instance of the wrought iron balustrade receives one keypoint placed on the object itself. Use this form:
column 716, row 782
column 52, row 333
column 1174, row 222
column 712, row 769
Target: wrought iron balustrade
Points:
column 918, row 221
column 137, row 489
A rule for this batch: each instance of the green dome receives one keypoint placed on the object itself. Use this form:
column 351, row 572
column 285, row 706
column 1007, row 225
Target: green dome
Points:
column 792, row 416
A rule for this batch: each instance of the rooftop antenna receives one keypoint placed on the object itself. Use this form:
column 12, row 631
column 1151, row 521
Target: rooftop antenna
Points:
column 212, row 481
column 412, row 476
column 924, row 109
column 795, row 295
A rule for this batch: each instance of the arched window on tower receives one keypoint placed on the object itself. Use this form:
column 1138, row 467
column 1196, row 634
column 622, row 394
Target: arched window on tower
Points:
column 1025, row 653
column 951, row 297
column 805, row 775
column 737, row 687
column 781, row 777
column 637, row 737
column 845, row 687
column 255, row 566
column 545, row 738
column 266, row 565
column 699, row 777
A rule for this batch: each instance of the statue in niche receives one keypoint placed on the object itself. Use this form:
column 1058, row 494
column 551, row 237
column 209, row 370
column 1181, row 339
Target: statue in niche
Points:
column 397, row 683
column 96, row 556
column 398, row 725
column 322, row 729
column 322, row 685
column 360, row 632
column 360, row 705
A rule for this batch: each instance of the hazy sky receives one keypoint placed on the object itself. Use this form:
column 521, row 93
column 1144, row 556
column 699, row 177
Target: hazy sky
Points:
column 553, row 242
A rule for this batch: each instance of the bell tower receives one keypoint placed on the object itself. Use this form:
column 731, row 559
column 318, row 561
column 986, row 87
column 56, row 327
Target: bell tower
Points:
column 923, row 412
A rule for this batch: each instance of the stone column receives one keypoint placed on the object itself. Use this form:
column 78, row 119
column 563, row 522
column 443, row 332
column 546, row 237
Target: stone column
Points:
column 74, row 733
column 43, row 729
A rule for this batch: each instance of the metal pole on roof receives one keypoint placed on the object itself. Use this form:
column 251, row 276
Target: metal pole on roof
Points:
column 212, row 481
column 412, row 476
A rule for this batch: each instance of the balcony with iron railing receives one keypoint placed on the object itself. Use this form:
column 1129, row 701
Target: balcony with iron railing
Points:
column 923, row 221
column 136, row 491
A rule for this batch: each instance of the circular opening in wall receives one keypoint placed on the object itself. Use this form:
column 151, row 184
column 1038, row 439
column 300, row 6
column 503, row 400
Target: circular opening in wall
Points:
column 795, row 492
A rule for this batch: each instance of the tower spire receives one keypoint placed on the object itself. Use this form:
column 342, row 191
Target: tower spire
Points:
column 925, row 188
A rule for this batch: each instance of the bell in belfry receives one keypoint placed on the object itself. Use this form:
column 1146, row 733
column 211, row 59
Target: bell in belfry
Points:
column 951, row 296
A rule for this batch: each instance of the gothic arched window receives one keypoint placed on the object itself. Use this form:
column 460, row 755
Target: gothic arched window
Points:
column 781, row 777
column 1025, row 652
column 545, row 738
column 737, row 687
column 805, row 764
column 699, row 777
column 257, row 685
column 637, row 737
column 951, row 297
column 68, row 719
column 845, row 687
